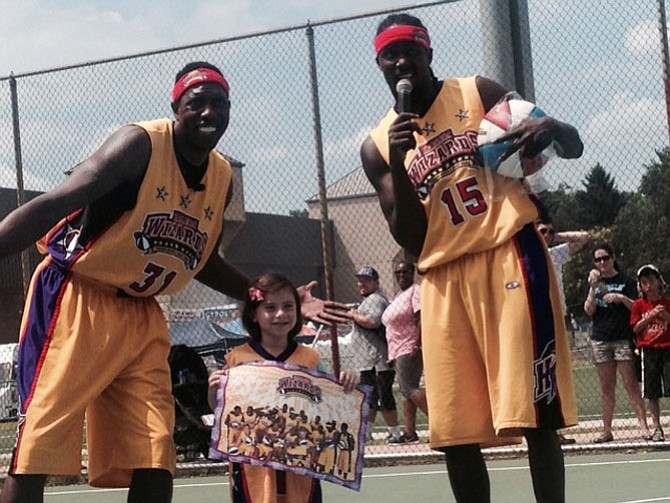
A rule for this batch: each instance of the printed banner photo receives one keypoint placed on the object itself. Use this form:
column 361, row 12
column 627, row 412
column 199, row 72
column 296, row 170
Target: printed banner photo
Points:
column 292, row 419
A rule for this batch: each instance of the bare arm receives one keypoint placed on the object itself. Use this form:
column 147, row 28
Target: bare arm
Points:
column 362, row 320
column 397, row 197
column 122, row 157
column 576, row 240
column 590, row 302
column 224, row 277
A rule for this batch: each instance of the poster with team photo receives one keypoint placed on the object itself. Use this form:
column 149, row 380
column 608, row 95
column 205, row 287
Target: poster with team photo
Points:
column 293, row 419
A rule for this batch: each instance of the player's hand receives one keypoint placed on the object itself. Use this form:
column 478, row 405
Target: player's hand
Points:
column 530, row 137
column 401, row 136
column 326, row 312
column 349, row 380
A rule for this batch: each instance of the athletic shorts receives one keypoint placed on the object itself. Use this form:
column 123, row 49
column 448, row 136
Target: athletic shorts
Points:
column 655, row 373
column 382, row 388
column 88, row 353
column 495, row 347
column 409, row 369
column 612, row 351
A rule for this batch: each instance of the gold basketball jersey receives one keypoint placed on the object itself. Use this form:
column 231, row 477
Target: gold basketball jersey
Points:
column 159, row 245
column 469, row 208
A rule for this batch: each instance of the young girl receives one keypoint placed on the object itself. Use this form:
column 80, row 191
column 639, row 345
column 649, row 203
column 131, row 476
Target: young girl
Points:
column 272, row 317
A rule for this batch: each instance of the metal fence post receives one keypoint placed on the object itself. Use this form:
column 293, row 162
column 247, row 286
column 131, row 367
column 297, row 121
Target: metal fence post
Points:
column 18, row 162
column 663, row 29
column 323, row 200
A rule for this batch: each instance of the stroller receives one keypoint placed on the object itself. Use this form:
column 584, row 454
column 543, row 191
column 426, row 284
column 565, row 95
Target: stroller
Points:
column 189, row 388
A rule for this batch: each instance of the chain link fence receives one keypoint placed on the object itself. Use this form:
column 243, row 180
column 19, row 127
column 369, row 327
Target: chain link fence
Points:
column 305, row 97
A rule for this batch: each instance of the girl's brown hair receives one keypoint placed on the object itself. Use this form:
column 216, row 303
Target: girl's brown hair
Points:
column 272, row 282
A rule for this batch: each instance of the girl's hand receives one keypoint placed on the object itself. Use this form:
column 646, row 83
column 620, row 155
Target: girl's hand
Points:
column 349, row 380
column 213, row 386
column 613, row 298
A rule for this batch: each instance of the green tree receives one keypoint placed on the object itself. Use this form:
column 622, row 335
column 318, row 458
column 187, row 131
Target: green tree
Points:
column 298, row 213
column 599, row 203
column 642, row 228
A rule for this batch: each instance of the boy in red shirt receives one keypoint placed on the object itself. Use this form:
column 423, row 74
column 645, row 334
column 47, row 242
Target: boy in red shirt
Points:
column 650, row 320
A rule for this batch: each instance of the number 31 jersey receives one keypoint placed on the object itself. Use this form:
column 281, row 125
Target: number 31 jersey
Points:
column 160, row 243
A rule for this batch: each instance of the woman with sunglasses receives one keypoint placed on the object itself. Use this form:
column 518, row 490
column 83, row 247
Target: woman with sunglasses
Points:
column 609, row 299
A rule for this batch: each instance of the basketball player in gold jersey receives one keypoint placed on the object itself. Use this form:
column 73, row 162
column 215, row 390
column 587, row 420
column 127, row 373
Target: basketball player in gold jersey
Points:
column 141, row 216
column 490, row 304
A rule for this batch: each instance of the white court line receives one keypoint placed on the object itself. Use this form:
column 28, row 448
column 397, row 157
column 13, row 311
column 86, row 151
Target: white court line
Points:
column 177, row 485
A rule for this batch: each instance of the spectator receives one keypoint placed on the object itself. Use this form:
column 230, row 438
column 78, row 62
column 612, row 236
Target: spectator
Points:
column 562, row 247
column 650, row 320
column 369, row 342
column 609, row 299
column 569, row 243
column 402, row 319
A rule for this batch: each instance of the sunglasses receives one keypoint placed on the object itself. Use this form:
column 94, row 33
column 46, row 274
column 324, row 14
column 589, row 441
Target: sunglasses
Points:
column 604, row 258
column 547, row 231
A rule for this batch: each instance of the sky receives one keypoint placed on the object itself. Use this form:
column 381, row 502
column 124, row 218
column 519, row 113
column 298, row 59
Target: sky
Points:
column 596, row 65
column 40, row 34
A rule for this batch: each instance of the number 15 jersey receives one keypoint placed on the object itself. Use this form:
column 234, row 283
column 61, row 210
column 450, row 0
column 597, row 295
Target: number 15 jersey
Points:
column 469, row 208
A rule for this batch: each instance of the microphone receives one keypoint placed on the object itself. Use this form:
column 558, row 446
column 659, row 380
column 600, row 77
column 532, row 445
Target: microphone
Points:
column 404, row 90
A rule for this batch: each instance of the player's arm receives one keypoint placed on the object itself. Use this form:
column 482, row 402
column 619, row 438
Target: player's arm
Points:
column 124, row 156
column 397, row 197
column 533, row 135
column 219, row 274
column 222, row 276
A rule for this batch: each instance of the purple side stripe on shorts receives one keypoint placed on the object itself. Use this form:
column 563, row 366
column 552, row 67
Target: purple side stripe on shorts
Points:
column 536, row 269
column 44, row 306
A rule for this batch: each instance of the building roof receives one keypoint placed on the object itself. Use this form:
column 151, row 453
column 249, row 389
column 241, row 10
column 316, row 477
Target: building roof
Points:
column 353, row 184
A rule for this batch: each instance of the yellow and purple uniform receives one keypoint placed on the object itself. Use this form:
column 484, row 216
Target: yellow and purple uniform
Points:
column 94, row 341
column 328, row 454
column 257, row 484
column 494, row 342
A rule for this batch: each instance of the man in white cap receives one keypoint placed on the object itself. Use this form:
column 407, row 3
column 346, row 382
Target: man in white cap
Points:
column 369, row 341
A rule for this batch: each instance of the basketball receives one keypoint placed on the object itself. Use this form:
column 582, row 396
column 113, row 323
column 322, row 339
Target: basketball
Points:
column 506, row 115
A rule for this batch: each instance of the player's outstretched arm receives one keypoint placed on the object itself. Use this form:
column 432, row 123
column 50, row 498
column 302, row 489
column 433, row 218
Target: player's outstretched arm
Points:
column 222, row 276
column 122, row 157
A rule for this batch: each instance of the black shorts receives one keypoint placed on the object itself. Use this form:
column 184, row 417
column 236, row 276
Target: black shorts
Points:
column 382, row 389
column 655, row 373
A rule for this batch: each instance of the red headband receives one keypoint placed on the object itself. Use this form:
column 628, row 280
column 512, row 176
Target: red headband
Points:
column 196, row 77
column 403, row 33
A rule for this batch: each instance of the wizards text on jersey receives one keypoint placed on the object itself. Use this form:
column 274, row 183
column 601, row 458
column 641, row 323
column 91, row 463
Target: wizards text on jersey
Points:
column 440, row 156
column 173, row 234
